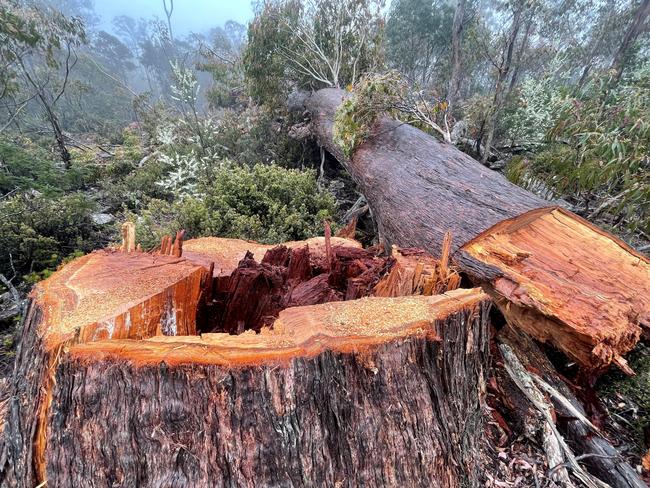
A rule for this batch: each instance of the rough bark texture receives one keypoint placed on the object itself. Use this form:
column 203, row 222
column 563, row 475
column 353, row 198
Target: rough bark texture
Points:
column 103, row 295
column 26, row 397
column 396, row 403
column 109, row 296
column 558, row 277
column 418, row 187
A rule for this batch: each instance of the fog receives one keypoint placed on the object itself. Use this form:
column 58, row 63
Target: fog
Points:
column 188, row 15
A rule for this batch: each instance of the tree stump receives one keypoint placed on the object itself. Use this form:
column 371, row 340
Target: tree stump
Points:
column 123, row 378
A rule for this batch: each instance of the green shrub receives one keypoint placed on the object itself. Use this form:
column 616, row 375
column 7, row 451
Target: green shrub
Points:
column 266, row 203
column 25, row 166
column 37, row 233
column 598, row 147
column 387, row 94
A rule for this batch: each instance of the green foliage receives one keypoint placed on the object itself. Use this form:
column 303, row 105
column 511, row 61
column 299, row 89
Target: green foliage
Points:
column 127, row 185
column 266, row 203
column 629, row 396
column 258, row 134
column 598, row 151
column 27, row 166
column 311, row 44
column 37, row 233
column 533, row 111
column 388, row 94
column 223, row 60
column 264, row 66
column 25, row 30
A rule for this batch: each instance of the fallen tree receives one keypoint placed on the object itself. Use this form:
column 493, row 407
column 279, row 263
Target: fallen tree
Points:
column 553, row 274
column 124, row 375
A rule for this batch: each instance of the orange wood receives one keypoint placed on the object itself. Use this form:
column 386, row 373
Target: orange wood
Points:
column 567, row 282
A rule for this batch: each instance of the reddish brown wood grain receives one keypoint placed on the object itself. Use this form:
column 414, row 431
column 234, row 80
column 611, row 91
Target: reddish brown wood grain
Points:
column 128, row 303
column 564, row 281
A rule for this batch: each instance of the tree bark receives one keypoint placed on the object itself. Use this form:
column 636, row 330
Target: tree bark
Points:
column 113, row 385
column 630, row 37
column 456, row 51
column 553, row 274
column 371, row 409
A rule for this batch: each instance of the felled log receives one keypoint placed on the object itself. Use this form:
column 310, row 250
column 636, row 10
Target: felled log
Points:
column 139, row 317
column 553, row 274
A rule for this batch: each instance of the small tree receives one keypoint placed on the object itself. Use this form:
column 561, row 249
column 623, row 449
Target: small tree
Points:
column 37, row 49
column 312, row 43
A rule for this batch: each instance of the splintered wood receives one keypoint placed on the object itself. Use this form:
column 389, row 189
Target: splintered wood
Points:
column 351, row 326
column 417, row 273
column 566, row 282
column 117, row 310
column 123, row 304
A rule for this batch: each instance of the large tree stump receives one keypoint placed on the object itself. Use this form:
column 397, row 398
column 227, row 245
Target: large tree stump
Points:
column 119, row 381
column 553, row 274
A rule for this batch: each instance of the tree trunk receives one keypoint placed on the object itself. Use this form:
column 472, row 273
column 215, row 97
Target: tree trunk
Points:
column 113, row 386
column 521, row 52
column 499, row 88
column 630, row 37
column 59, row 137
column 553, row 274
column 456, row 51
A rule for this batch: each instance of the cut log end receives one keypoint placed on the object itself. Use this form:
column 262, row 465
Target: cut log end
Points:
column 565, row 282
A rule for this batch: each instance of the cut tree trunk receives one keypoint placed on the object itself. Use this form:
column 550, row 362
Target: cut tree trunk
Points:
column 553, row 274
column 124, row 376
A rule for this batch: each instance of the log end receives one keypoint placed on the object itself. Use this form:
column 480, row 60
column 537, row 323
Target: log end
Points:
column 564, row 281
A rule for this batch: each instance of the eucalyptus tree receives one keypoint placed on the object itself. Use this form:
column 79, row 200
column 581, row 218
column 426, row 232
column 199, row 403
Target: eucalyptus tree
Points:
column 312, row 43
column 38, row 51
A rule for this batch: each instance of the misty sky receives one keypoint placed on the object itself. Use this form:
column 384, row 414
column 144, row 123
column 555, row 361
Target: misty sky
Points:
column 189, row 15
